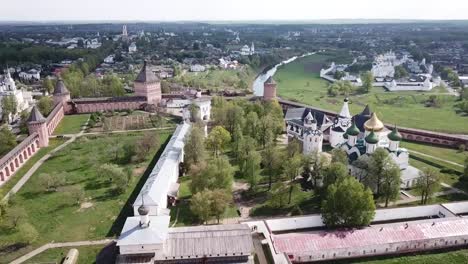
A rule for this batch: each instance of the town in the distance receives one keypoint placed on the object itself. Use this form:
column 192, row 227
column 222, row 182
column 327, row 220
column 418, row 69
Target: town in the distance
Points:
column 234, row 142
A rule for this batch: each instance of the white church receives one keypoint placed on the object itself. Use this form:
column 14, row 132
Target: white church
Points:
column 358, row 135
column 8, row 88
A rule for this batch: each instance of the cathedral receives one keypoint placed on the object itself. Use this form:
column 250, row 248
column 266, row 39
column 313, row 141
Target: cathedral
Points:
column 359, row 136
column 8, row 88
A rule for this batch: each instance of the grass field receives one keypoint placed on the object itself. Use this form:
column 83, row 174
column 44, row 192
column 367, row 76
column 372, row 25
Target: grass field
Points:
column 300, row 81
column 71, row 124
column 5, row 188
column 449, row 154
column 450, row 257
column 55, row 215
column 87, row 255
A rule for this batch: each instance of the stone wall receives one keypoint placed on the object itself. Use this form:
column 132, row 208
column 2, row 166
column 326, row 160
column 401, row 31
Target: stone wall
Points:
column 109, row 104
column 14, row 159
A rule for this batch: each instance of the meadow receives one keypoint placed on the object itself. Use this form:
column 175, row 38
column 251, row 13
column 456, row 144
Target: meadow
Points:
column 55, row 214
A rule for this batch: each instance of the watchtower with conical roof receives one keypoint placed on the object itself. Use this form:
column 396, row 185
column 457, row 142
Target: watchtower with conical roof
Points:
column 61, row 94
column 148, row 85
column 269, row 89
column 37, row 124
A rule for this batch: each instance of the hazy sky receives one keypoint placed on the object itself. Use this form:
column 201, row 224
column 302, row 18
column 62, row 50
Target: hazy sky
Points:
column 168, row 10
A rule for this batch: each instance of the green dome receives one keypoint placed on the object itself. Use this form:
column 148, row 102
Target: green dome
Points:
column 395, row 135
column 353, row 130
column 345, row 136
column 372, row 138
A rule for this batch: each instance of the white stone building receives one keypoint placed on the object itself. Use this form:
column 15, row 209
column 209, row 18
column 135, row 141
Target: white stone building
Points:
column 8, row 88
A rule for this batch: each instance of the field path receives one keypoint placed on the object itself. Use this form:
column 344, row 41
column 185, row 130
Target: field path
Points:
column 60, row 245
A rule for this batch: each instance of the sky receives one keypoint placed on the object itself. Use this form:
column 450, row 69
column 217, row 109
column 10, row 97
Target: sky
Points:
column 229, row 10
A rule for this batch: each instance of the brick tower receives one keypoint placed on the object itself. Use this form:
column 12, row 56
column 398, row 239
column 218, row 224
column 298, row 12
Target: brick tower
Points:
column 269, row 90
column 147, row 84
column 37, row 123
column 61, row 93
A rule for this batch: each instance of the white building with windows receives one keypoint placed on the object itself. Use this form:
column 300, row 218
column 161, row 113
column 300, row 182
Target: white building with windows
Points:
column 8, row 88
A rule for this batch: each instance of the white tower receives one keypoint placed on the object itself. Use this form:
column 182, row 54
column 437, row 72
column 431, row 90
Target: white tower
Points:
column 252, row 48
column 9, row 82
column 342, row 123
column 313, row 137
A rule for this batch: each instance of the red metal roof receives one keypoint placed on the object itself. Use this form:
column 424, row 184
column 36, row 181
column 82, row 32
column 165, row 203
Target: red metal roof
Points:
column 302, row 242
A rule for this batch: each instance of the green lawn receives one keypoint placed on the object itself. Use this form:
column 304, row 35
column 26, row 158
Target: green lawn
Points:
column 87, row 255
column 300, row 81
column 449, row 154
column 5, row 188
column 71, row 124
column 54, row 214
column 450, row 257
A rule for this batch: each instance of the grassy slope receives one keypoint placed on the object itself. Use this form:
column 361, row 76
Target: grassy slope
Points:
column 5, row 188
column 297, row 83
column 54, row 215
column 449, row 154
column 71, row 124
column 87, row 255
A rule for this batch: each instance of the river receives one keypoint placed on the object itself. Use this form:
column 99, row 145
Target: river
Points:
column 261, row 79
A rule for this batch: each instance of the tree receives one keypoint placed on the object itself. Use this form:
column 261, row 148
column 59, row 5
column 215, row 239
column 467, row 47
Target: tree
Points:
column 200, row 205
column 218, row 139
column 149, row 141
column 50, row 182
column 45, row 105
column 340, row 87
column 267, row 132
column 48, row 85
column 271, row 159
column 278, row 195
column 348, row 204
column 27, row 233
column 338, row 75
column 379, row 163
column 237, row 138
column 367, row 81
column 220, row 200
column 218, row 174
column 234, row 116
column 339, row 155
column 314, row 167
column 251, row 125
column 428, row 183
column 76, row 194
column 7, row 141
column 16, row 215
column 9, row 106
column 292, row 168
column 400, row 72
column 194, row 147
column 115, row 175
column 293, row 148
column 390, row 183
column 194, row 113
column 336, row 172
column 251, row 168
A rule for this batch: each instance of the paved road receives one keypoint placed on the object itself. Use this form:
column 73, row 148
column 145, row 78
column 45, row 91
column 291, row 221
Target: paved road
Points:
column 60, row 245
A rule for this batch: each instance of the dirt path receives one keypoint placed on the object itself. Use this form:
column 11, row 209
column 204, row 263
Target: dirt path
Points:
column 60, row 245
